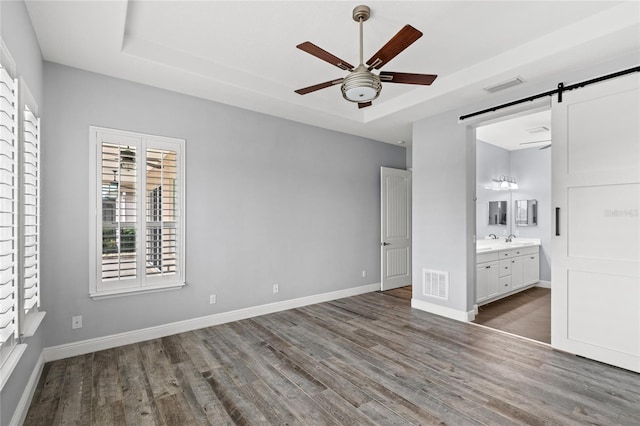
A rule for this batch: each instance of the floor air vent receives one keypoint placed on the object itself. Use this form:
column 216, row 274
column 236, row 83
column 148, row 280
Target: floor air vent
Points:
column 435, row 284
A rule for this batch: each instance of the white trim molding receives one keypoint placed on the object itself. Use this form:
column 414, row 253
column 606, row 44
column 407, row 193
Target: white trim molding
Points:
column 7, row 367
column 100, row 343
column 20, row 414
column 443, row 311
column 543, row 284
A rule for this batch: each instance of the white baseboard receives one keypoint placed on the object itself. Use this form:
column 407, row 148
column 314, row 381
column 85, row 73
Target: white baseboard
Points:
column 20, row 414
column 92, row 345
column 543, row 284
column 443, row 311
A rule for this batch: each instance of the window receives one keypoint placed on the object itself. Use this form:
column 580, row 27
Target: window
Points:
column 8, row 217
column 138, row 228
column 20, row 314
column 31, row 211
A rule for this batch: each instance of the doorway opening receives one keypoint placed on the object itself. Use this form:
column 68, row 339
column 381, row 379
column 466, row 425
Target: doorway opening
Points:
column 395, row 234
column 513, row 225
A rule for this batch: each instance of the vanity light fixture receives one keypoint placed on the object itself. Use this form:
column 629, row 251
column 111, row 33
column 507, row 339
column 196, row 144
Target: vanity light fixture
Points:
column 506, row 183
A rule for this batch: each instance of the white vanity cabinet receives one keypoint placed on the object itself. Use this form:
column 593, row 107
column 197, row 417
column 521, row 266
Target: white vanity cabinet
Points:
column 487, row 277
column 506, row 271
column 531, row 267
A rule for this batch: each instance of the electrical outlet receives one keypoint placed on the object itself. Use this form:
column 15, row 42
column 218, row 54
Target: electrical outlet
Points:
column 212, row 299
column 364, row 273
column 76, row 322
column 276, row 289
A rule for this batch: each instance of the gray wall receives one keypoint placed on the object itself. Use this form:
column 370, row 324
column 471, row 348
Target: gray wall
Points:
column 443, row 217
column 268, row 201
column 442, row 146
column 20, row 39
column 532, row 170
column 491, row 163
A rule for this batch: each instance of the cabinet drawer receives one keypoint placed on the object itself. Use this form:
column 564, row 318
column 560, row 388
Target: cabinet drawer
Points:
column 518, row 251
column 505, row 284
column 505, row 254
column 505, row 267
column 529, row 250
column 487, row 257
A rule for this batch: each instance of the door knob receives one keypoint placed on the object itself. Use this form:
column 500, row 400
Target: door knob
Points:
column 386, row 244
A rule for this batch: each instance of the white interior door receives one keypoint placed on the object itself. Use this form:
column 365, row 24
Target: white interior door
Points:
column 595, row 308
column 396, row 228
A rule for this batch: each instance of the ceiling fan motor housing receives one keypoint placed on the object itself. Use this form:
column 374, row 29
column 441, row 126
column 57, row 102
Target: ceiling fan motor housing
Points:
column 361, row 85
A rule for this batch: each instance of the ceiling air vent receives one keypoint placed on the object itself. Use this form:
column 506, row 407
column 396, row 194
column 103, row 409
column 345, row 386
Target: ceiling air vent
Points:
column 504, row 85
column 536, row 130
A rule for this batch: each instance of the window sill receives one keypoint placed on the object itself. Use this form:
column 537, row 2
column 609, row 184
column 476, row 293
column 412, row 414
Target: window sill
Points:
column 134, row 291
column 10, row 363
column 32, row 322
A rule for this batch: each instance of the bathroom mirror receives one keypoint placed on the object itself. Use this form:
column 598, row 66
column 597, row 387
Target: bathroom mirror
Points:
column 526, row 213
column 497, row 212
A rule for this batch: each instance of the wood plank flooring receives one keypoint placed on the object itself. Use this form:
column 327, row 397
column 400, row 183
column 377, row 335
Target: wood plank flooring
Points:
column 363, row 360
column 526, row 314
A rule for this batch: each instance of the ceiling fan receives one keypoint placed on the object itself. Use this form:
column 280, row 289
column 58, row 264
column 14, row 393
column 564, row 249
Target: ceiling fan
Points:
column 361, row 85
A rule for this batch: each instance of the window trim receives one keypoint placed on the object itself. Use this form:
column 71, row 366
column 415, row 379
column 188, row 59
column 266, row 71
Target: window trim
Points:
column 11, row 350
column 26, row 324
column 29, row 322
column 142, row 283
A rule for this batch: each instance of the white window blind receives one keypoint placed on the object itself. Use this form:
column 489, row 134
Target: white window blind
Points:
column 8, row 197
column 31, row 210
column 139, row 237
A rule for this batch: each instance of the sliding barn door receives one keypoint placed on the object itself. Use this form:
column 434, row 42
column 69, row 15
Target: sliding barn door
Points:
column 596, row 247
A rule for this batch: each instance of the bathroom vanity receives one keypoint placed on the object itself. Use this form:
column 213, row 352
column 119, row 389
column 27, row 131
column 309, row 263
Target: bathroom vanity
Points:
column 505, row 268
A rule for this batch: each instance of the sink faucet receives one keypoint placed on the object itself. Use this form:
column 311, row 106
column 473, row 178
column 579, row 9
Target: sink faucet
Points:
column 493, row 236
column 509, row 238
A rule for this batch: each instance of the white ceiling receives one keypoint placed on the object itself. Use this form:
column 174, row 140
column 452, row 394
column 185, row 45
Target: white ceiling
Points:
column 243, row 53
column 527, row 131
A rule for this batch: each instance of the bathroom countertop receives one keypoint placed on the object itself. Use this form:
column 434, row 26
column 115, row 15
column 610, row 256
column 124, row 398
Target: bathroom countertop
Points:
column 490, row 245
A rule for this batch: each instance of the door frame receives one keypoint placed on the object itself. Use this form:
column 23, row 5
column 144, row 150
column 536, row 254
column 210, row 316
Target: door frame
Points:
column 383, row 243
column 472, row 124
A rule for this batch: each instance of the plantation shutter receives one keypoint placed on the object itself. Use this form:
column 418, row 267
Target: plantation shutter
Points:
column 119, row 210
column 8, row 196
column 162, row 212
column 140, row 233
column 31, row 206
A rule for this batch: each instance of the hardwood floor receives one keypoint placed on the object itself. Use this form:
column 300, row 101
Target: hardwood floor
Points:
column 526, row 314
column 362, row 360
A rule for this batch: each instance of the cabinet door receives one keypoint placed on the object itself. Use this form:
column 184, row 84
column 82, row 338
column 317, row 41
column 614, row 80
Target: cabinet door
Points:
column 493, row 281
column 531, row 269
column 482, row 277
column 516, row 273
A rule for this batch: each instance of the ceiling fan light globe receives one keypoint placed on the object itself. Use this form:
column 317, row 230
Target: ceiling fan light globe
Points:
column 360, row 94
column 361, row 86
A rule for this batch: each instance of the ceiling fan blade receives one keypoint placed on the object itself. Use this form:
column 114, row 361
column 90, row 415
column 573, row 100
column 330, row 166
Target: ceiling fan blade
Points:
column 407, row 78
column 319, row 53
column 405, row 37
column 364, row 104
column 315, row 87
